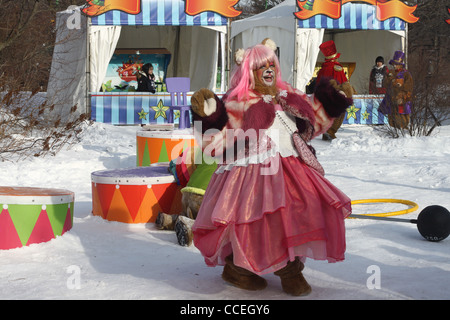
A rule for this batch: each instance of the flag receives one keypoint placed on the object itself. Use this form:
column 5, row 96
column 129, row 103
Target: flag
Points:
column 98, row 7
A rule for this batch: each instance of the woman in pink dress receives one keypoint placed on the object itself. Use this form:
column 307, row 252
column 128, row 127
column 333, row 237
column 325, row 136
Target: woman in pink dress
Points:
column 268, row 206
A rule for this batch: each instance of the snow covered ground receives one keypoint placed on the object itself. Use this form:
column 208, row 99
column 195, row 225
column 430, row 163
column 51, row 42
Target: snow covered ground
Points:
column 98, row 259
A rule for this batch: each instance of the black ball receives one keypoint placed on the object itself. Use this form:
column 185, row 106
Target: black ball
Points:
column 433, row 223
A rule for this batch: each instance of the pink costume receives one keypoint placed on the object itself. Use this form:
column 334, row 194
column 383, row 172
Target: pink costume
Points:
column 266, row 205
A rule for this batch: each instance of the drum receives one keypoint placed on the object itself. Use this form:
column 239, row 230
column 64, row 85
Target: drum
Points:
column 162, row 146
column 135, row 195
column 33, row 215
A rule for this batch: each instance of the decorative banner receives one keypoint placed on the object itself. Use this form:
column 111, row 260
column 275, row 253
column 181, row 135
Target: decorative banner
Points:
column 311, row 8
column 223, row 7
column 98, row 7
column 308, row 8
column 332, row 9
column 396, row 8
column 193, row 7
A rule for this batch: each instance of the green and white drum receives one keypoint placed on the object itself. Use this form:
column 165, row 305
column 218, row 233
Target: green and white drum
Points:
column 33, row 215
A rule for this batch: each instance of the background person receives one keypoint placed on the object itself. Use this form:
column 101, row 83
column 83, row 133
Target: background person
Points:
column 146, row 79
column 331, row 68
column 397, row 102
column 378, row 75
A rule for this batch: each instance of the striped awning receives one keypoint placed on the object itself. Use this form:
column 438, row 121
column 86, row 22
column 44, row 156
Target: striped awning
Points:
column 159, row 13
column 357, row 16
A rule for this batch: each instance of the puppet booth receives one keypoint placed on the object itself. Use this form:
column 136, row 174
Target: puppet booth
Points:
column 359, row 36
column 94, row 56
column 187, row 53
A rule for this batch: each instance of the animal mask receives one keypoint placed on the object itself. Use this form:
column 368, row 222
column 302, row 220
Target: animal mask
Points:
column 257, row 70
column 265, row 75
column 265, row 79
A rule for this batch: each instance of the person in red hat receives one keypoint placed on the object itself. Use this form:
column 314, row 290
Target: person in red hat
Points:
column 398, row 99
column 331, row 68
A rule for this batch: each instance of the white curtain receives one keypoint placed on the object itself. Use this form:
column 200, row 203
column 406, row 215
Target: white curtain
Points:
column 102, row 43
column 308, row 42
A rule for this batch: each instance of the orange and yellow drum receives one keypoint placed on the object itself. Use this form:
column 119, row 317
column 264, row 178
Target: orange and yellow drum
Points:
column 33, row 215
column 162, row 146
column 135, row 195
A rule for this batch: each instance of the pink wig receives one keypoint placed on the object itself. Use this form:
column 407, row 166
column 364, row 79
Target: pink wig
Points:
column 242, row 79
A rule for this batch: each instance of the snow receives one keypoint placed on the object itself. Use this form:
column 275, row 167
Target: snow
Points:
column 99, row 259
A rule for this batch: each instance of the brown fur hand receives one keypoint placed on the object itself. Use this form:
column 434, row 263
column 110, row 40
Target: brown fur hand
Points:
column 198, row 101
column 348, row 89
column 344, row 87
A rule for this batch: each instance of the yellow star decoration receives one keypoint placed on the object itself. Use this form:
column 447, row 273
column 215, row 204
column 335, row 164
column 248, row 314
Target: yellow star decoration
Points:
column 142, row 115
column 176, row 114
column 160, row 110
column 351, row 112
column 365, row 115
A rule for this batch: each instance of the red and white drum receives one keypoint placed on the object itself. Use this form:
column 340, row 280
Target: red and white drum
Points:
column 135, row 195
column 33, row 215
column 162, row 146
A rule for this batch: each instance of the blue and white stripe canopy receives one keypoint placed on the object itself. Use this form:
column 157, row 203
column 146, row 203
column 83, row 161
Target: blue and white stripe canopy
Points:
column 356, row 16
column 159, row 13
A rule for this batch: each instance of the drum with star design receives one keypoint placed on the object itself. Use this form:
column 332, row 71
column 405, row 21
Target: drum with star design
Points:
column 135, row 195
column 162, row 146
column 33, row 215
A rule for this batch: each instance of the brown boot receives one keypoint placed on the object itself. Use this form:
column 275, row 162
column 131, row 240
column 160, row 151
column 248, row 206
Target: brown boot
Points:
column 292, row 280
column 183, row 230
column 242, row 278
column 165, row 221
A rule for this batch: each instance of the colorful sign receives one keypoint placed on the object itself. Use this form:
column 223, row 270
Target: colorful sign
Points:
column 332, row 9
column 223, row 7
column 193, row 7
column 308, row 8
column 354, row 16
column 98, row 7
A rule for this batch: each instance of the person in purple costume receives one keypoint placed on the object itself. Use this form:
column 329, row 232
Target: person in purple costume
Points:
column 397, row 103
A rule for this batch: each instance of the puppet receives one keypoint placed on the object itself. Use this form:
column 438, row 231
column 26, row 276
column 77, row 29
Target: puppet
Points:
column 331, row 68
column 192, row 172
column 397, row 103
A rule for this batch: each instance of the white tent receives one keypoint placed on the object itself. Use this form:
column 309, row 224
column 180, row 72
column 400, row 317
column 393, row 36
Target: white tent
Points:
column 299, row 40
column 85, row 46
column 67, row 85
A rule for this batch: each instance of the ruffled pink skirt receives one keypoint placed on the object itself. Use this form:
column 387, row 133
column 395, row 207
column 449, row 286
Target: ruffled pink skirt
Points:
column 267, row 220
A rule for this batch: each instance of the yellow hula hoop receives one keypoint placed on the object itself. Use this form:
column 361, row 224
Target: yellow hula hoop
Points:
column 412, row 206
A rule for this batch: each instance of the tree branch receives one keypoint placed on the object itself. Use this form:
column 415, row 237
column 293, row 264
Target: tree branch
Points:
column 21, row 27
